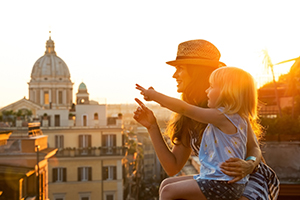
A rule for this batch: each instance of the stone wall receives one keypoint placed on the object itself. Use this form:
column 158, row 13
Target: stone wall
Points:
column 283, row 158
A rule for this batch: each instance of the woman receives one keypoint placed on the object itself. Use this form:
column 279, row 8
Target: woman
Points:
column 232, row 102
column 195, row 61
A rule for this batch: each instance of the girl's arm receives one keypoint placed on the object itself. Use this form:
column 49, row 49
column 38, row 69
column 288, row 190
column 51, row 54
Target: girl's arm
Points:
column 253, row 148
column 204, row 115
column 172, row 161
column 239, row 168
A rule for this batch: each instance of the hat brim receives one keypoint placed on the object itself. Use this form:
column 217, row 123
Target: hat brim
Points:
column 203, row 62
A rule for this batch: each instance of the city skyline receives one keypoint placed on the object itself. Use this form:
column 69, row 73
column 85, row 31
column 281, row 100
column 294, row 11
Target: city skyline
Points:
column 110, row 46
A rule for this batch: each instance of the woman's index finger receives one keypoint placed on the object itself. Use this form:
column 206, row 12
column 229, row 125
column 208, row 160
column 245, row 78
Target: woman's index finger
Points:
column 139, row 102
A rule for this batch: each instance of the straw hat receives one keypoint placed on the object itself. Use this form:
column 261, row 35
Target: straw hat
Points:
column 197, row 52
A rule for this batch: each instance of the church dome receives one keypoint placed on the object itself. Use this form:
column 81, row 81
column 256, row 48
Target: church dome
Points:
column 50, row 66
column 82, row 86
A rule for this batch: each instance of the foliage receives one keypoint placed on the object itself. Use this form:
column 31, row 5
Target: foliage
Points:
column 132, row 146
column 281, row 125
column 19, row 113
column 10, row 115
column 290, row 121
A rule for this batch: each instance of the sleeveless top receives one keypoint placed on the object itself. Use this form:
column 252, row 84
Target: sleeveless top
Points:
column 263, row 184
column 217, row 147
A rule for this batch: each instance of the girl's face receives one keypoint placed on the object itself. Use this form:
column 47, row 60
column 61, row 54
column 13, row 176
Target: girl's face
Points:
column 182, row 77
column 213, row 93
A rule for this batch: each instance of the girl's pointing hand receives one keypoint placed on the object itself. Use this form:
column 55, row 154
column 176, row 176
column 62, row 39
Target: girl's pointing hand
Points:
column 146, row 93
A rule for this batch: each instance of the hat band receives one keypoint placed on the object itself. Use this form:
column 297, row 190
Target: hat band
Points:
column 191, row 57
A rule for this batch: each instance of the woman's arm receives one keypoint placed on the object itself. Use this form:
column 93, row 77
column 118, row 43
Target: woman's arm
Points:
column 172, row 161
column 239, row 168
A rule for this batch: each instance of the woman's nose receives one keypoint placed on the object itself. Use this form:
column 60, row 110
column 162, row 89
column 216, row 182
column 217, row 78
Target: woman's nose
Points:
column 175, row 74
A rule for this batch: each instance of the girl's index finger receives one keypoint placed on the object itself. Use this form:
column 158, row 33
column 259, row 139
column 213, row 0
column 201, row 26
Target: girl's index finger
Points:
column 139, row 87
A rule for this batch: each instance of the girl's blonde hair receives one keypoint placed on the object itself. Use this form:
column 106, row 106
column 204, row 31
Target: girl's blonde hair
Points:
column 238, row 94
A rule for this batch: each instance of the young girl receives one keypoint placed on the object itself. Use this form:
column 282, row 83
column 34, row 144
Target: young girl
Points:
column 232, row 106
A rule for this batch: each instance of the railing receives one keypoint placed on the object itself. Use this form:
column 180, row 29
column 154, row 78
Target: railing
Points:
column 91, row 151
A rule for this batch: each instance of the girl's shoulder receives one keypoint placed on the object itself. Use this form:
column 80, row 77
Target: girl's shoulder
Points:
column 235, row 118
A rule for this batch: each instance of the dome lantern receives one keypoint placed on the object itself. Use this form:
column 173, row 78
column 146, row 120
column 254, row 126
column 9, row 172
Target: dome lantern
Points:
column 50, row 46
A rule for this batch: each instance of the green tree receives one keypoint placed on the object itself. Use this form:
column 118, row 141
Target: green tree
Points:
column 8, row 116
column 293, row 78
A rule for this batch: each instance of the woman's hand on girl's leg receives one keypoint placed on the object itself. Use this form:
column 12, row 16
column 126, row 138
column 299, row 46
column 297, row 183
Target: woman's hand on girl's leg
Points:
column 236, row 168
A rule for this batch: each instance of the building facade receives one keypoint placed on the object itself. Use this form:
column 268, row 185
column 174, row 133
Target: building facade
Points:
column 24, row 166
column 88, row 162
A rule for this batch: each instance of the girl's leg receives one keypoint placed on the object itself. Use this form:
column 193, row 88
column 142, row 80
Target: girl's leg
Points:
column 186, row 189
column 172, row 180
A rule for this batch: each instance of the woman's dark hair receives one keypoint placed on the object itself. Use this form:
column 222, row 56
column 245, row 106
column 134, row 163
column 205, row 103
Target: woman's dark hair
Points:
column 194, row 94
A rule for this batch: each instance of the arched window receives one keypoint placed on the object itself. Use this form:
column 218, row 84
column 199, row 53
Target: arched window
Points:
column 96, row 116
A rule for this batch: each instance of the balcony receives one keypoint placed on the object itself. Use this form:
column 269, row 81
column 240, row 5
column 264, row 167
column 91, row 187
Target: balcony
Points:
column 91, row 151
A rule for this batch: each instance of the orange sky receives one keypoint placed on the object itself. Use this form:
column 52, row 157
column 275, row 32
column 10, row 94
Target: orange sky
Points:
column 111, row 45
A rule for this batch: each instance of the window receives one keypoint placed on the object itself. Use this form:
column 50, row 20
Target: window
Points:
column 46, row 97
column 59, row 174
column 147, row 146
column 85, row 141
column 109, row 173
column 60, row 97
column 84, row 173
column 109, row 197
column 59, row 196
column 59, row 141
column 109, row 141
column 84, row 120
column 85, row 196
column 56, row 120
column 96, row 116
